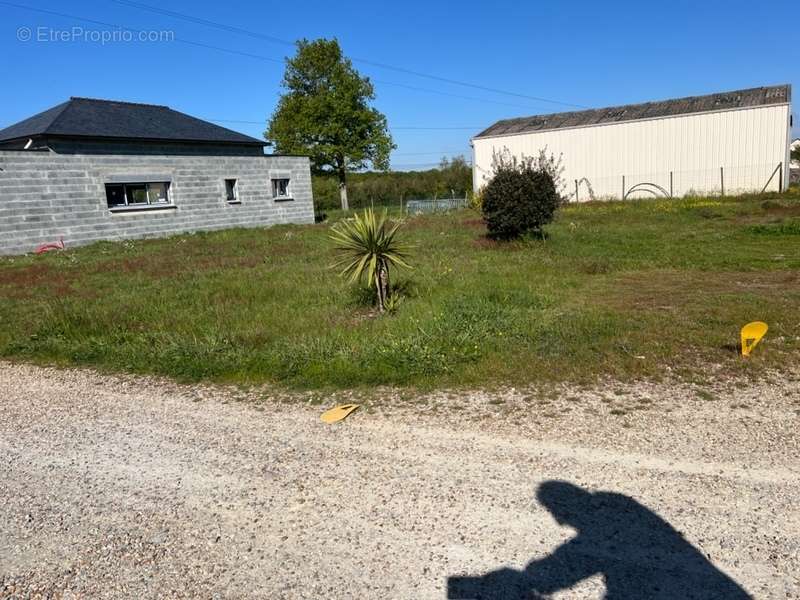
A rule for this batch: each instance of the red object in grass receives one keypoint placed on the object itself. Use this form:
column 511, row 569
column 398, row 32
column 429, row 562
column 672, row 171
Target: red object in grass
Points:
column 59, row 245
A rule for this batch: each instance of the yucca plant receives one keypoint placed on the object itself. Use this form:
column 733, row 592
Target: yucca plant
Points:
column 367, row 246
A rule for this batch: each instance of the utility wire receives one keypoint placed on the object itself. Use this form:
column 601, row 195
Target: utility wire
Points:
column 116, row 26
column 440, row 152
column 450, row 94
column 269, row 38
column 405, row 127
column 242, row 53
column 202, row 45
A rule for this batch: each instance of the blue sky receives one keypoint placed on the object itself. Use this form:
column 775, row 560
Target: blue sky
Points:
column 583, row 53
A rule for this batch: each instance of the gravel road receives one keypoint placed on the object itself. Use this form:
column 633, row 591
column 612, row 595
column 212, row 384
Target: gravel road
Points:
column 131, row 487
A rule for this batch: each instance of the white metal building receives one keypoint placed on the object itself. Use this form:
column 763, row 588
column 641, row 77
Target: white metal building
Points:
column 721, row 143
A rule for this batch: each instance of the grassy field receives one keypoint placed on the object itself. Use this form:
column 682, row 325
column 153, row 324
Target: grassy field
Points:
column 627, row 290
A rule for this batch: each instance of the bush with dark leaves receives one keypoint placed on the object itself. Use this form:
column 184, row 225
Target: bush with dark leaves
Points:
column 519, row 199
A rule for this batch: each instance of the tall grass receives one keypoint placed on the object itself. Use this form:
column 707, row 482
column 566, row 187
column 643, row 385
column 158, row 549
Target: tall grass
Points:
column 636, row 289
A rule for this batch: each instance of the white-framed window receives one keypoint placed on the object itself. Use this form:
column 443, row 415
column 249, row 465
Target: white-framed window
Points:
column 231, row 190
column 138, row 195
column 281, row 188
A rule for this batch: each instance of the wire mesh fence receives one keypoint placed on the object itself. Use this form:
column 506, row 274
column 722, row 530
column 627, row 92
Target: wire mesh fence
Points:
column 731, row 180
column 413, row 207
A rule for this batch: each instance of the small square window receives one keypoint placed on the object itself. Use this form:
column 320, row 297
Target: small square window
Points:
column 115, row 194
column 157, row 193
column 280, row 188
column 136, row 193
column 231, row 191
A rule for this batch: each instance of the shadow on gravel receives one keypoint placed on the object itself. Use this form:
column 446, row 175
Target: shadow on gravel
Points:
column 638, row 554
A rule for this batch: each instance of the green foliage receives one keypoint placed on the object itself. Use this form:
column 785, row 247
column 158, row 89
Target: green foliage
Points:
column 451, row 179
column 796, row 153
column 783, row 228
column 368, row 245
column 326, row 113
column 519, row 199
column 476, row 200
column 621, row 289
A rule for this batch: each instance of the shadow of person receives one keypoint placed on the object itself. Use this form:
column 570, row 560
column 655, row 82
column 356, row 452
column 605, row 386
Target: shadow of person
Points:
column 638, row 554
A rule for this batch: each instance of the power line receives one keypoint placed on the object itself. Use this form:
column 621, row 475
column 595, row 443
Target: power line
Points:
column 255, row 34
column 198, row 20
column 116, row 26
column 405, row 127
column 438, row 128
column 440, row 152
column 260, row 56
column 246, row 54
column 450, row 94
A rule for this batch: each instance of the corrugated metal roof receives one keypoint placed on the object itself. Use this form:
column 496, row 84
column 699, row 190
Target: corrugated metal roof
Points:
column 91, row 118
column 778, row 94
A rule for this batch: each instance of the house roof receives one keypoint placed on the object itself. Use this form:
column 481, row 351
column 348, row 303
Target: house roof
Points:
column 110, row 119
column 762, row 96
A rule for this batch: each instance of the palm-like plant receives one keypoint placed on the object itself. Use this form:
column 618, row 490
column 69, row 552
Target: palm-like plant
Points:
column 367, row 246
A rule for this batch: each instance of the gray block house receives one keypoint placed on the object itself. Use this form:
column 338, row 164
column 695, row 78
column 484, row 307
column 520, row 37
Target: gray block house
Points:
column 89, row 170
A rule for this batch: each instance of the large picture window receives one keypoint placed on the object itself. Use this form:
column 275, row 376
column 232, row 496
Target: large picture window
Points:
column 137, row 194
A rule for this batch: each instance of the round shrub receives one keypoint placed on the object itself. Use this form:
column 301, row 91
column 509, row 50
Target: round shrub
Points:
column 518, row 201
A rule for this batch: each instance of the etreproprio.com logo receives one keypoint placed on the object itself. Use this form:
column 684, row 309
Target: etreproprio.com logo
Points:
column 93, row 36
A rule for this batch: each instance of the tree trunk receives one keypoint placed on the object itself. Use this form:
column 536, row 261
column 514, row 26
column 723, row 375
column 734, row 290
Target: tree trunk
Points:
column 343, row 188
column 379, row 288
column 384, row 282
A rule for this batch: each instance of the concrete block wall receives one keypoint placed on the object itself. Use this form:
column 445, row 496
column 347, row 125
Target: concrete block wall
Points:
column 45, row 195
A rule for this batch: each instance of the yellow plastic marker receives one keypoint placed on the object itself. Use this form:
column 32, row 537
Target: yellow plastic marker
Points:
column 751, row 335
column 338, row 413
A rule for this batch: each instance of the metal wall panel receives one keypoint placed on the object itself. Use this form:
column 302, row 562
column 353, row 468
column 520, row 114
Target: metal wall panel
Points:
column 747, row 144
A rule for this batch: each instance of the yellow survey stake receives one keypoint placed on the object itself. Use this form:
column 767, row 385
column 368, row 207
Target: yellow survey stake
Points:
column 751, row 335
column 337, row 413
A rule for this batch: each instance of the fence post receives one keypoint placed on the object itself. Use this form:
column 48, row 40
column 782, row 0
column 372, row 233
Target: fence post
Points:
column 722, row 180
column 670, row 185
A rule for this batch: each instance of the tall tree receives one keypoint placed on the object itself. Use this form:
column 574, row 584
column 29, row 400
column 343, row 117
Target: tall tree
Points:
column 326, row 114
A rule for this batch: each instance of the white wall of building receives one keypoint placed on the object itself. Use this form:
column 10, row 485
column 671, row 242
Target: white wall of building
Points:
column 748, row 144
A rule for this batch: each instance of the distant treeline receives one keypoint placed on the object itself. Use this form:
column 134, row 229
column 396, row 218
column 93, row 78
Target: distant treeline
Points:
column 452, row 178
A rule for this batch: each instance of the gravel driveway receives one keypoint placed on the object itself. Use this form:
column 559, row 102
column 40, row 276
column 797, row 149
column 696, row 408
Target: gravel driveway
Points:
column 127, row 487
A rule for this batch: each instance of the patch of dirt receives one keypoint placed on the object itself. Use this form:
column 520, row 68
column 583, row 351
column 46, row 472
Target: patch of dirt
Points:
column 168, row 266
column 783, row 210
column 673, row 289
column 484, row 242
column 771, row 212
column 34, row 280
column 474, row 223
column 355, row 318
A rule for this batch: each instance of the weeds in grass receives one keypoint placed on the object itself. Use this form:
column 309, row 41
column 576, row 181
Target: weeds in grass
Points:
column 784, row 228
column 706, row 395
column 261, row 305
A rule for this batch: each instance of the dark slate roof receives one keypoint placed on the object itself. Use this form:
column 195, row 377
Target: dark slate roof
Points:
column 109, row 119
column 778, row 94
